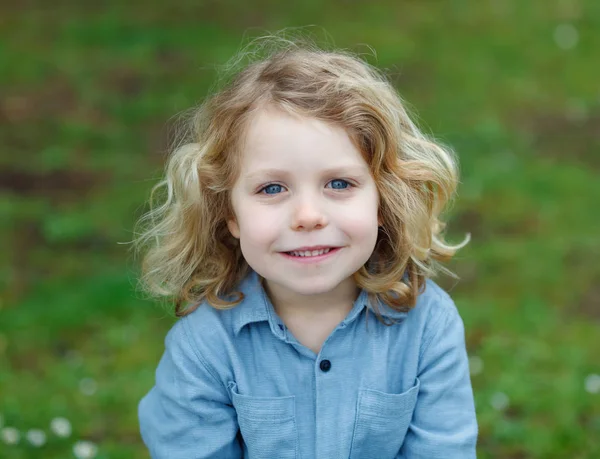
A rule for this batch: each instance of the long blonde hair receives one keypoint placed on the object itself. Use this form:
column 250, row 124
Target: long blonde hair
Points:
column 190, row 254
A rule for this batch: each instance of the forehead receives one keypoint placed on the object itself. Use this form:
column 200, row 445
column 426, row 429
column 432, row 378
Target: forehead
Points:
column 276, row 139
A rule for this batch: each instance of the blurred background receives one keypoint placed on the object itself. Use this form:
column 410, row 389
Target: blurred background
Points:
column 88, row 91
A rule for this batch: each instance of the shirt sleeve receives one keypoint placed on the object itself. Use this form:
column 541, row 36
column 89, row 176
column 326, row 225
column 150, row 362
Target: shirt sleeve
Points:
column 188, row 413
column 444, row 422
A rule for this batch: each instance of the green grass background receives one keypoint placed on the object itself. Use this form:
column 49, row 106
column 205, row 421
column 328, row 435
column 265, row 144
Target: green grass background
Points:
column 87, row 94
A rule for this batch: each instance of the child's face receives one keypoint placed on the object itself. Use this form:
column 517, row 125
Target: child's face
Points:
column 317, row 191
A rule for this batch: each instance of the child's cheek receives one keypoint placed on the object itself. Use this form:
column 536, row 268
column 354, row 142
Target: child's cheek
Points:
column 261, row 226
column 358, row 219
column 362, row 232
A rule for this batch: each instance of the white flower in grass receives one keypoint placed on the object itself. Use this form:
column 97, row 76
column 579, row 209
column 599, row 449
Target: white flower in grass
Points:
column 88, row 386
column 566, row 36
column 61, row 427
column 499, row 401
column 10, row 435
column 475, row 365
column 85, row 450
column 592, row 383
column 36, row 437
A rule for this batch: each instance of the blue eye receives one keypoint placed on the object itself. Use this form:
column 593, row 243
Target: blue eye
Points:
column 339, row 184
column 273, row 188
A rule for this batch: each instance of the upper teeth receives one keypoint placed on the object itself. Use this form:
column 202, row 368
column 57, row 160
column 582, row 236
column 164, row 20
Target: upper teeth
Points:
column 309, row 253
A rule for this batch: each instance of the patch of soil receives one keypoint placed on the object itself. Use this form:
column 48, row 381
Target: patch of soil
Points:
column 474, row 338
column 589, row 305
column 24, row 237
column 469, row 221
column 159, row 141
column 28, row 361
column 56, row 186
column 125, row 81
column 573, row 136
column 582, row 261
column 56, row 99
column 60, row 183
column 414, row 77
column 472, row 221
column 529, row 225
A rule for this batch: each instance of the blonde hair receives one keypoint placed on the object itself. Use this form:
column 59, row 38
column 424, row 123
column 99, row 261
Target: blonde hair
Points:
column 190, row 254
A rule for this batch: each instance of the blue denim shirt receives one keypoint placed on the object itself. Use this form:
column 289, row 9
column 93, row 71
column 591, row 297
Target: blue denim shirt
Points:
column 236, row 383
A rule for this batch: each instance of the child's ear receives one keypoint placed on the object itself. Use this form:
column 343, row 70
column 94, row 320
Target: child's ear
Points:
column 233, row 227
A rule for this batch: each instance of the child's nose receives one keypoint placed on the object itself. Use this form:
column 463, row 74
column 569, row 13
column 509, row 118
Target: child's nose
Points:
column 308, row 216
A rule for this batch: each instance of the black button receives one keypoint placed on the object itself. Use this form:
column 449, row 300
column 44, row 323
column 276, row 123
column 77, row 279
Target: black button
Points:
column 325, row 365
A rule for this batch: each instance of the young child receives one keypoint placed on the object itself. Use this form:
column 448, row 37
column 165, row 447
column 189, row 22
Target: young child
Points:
column 299, row 234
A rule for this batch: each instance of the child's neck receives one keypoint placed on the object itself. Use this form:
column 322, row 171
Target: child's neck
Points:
column 311, row 318
column 339, row 300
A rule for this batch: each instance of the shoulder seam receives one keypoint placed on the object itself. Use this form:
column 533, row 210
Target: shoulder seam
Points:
column 442, row 317
column 197, row 353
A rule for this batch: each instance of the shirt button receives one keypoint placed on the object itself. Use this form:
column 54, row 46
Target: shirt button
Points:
column 325, row 365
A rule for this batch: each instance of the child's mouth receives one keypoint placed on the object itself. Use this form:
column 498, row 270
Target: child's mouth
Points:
column 311, row 256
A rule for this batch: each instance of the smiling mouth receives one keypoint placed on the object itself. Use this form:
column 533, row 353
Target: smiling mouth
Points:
column 310, row 253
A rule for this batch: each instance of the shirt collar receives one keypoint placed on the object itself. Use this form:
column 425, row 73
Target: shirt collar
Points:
column 256, row 307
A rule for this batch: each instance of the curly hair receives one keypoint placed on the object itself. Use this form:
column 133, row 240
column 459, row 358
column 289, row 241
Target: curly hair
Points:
column 189, row 253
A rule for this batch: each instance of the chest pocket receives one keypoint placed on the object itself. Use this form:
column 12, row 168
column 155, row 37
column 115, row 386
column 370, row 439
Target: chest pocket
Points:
column 381, row 424
column 267, row 424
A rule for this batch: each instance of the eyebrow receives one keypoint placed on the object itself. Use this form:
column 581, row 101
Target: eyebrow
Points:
column 340, row 170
